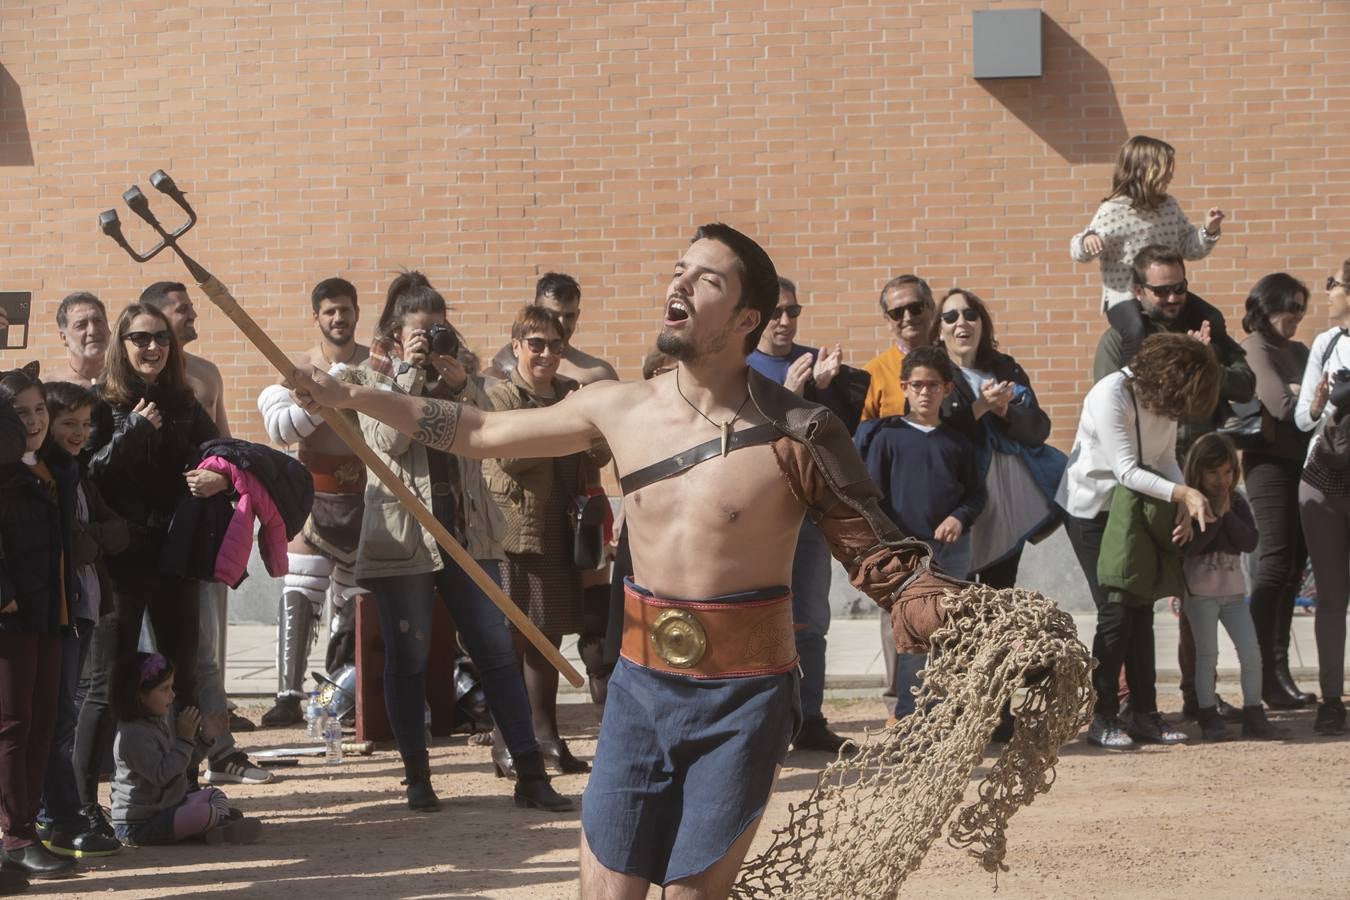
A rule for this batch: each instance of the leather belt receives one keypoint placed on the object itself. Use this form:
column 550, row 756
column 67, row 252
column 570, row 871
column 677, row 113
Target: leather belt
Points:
column 701, row 639
column 334, row 474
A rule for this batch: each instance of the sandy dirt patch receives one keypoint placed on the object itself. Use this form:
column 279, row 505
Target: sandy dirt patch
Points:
column 1237, row 820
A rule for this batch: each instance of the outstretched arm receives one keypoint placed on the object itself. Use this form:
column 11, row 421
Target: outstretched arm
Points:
column 557, row 430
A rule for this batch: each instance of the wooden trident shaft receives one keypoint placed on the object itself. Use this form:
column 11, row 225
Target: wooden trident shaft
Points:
column 218, row 294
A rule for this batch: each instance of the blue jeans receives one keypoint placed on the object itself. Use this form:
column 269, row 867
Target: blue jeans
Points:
column 404, row 602
column 811, row 613
column 954, row 559
column 60, row 797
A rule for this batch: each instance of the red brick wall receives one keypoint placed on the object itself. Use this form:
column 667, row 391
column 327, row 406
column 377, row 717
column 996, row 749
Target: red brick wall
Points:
column 486, row 142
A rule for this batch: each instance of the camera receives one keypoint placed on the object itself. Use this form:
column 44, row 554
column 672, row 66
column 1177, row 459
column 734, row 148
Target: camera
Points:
column 443, row 339
column 1340, row 389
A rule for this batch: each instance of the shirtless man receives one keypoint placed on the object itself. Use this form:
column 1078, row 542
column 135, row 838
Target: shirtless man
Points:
column 703, row 703
column 322, row 555
column 226, row 764
column 82, row 322
column 561, row 294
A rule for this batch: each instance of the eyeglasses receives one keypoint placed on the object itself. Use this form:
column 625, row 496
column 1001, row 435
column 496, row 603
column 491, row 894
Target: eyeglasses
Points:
column 793, row 311
column 1169, row 290
column 538, row 345
column 923, row 387
column 1332, row 283
column 915, row 309
column 142, row 339
column 967, row 313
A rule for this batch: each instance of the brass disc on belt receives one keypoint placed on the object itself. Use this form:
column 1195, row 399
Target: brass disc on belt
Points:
column 679, row 638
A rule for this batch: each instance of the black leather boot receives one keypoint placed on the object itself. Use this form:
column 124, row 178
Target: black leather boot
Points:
column 533, row 790
column 1212, row 729
column 36, row 861
column 1256, row 726
column 1286, row 678
column 815, row 734
column 417, row 777
column 1330, row 719
column 502, row 763
column 1274, row 692
column 557, row 754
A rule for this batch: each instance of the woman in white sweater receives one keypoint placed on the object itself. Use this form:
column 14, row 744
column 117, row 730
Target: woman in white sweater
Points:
column 1127, row 437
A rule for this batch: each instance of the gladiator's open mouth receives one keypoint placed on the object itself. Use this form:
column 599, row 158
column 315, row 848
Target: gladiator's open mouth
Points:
column 677, row 311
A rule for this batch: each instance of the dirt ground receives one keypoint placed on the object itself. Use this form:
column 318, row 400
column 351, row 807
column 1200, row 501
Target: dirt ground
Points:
column 1235, row 820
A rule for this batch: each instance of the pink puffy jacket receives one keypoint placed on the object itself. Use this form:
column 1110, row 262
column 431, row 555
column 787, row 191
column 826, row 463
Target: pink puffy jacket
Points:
column 254, row 502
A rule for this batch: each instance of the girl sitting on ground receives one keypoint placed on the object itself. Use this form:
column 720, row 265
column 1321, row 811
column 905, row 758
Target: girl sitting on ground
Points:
column 1216, row 590
column 151, row 803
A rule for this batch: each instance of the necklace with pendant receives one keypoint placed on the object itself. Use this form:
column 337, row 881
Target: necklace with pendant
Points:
column 724, row 426
column 323, row 350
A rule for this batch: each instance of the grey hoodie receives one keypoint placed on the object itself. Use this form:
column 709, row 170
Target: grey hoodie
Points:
column 151, row 773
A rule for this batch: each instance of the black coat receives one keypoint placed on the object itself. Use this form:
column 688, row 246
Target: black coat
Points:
column 285, row 478
column 139, row 469
column 199, row 525
column 1026, row 423
column 13, row 436
column 36, row 555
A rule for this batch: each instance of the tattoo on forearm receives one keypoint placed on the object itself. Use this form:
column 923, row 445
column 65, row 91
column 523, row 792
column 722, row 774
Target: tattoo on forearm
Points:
column 437, row 424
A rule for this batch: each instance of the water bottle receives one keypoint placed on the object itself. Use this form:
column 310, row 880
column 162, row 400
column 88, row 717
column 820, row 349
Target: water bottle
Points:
column 313, row 712
column 332, row 736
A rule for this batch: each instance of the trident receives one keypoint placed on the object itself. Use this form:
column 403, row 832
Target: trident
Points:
column 220, row 296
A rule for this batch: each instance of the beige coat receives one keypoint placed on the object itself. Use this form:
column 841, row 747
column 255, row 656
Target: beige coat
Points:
column 521, row 486
column 392, row 542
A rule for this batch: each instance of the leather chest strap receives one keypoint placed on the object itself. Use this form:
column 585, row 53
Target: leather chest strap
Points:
column 687, row 459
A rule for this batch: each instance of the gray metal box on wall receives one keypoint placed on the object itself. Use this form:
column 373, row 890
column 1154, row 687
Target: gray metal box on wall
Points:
column 1007, row 43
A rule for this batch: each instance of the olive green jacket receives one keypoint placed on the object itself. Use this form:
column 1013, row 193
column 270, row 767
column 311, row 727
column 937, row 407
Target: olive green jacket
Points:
column 1138, row 562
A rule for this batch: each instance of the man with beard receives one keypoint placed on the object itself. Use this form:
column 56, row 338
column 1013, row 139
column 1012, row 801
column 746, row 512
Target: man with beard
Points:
column 703, row 702
column 82, row 322
column 225, row 762
column 1158, row 279
column 323, row 554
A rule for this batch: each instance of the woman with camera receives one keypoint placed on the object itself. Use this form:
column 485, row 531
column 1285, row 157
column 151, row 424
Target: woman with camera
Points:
column 1324, row 494
column 537, row 497
column 415, row 352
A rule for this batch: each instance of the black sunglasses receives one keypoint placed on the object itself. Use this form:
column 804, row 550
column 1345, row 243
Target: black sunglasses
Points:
column 915, row 309
column 793, row 310
column 537, row 345
column 1332, row 283
column 142, row 339
column 1168, row 290
column 968, row 313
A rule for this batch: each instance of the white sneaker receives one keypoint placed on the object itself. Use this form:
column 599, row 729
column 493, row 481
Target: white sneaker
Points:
column 236, row 769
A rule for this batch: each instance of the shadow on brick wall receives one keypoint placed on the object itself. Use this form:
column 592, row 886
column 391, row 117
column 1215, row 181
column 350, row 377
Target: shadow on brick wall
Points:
column 1072, row 106
column 15, row 147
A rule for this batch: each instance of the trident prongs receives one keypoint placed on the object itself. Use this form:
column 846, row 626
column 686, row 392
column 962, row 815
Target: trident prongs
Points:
column 140, row 205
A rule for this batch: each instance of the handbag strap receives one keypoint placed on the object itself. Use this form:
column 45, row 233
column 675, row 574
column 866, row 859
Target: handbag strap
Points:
column 1138, row 433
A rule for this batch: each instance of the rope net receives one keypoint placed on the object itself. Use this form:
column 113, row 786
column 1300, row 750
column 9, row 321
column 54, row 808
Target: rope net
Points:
column 871, row 817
